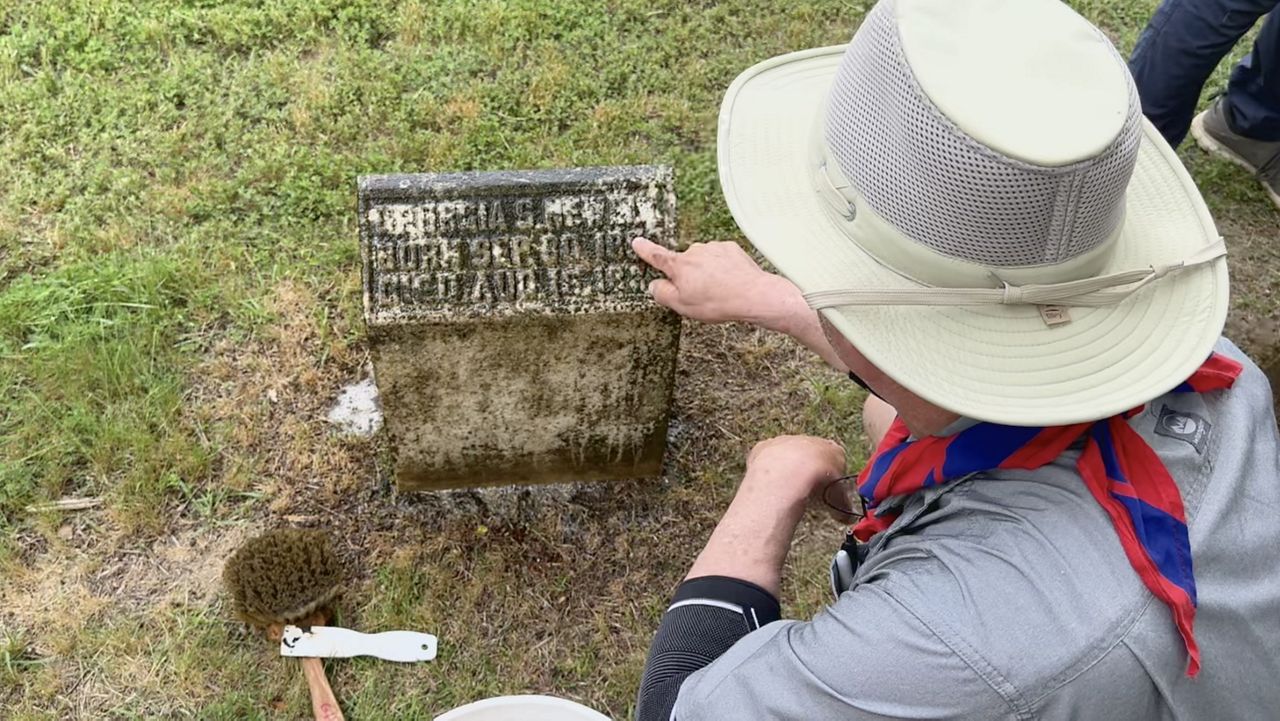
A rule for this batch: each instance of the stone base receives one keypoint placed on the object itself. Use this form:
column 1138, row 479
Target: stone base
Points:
column 527, row 399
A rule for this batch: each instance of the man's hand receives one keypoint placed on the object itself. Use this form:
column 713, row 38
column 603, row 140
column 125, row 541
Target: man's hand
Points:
column 720, row 283
column 806, row 460
column 803, row 465
column 752, row 539
column 716, row 283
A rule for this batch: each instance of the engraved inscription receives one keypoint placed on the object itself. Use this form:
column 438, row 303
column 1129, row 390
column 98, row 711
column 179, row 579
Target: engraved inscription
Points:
column 551, row 251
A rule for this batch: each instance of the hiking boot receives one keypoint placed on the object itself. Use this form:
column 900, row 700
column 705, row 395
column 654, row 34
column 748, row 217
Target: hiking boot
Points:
column 1214, row 134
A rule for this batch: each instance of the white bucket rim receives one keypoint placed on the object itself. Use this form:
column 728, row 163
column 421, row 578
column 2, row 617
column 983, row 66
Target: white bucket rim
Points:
column 524, row 701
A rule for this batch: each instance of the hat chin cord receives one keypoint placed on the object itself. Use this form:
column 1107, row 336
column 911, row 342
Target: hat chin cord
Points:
column 1093, row 292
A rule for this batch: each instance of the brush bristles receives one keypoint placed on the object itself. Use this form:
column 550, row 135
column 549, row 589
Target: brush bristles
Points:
column 282, row 576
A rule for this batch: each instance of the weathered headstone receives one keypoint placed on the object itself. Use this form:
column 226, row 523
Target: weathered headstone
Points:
column 512, row 337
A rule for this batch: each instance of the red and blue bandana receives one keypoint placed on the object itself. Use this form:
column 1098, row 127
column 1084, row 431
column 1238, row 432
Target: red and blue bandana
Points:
column 1122, row 472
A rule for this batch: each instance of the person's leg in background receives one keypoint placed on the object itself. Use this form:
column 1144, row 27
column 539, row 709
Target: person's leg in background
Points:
column 1182, row 44
column 1243, row 125
column 1253, row 95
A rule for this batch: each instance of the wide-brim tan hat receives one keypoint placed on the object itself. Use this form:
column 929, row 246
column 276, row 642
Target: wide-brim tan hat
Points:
column 879, row 209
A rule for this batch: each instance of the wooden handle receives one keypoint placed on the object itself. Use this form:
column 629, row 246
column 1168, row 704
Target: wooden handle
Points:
column 323, row 704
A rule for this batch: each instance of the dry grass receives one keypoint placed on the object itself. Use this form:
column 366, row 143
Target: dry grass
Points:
column 552, row 590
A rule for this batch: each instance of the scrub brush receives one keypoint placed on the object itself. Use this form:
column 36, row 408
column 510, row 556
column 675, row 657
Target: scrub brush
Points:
column 288, row 577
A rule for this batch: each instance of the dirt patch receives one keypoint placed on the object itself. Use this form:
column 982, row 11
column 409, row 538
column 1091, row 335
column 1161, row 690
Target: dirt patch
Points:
column 265, row 400
column 182, row 569
column 1254, row 245
column 1254, row 320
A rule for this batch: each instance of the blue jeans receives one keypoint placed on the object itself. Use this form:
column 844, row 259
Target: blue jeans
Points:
column 1185, row 41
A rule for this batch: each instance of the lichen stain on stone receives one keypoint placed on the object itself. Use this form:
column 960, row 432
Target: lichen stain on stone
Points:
column 528, row 400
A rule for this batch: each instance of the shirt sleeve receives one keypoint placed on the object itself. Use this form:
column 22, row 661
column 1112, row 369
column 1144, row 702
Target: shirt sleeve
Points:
column 866, row 657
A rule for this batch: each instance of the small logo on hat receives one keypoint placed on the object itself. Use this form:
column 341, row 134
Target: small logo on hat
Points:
column 1187, row 427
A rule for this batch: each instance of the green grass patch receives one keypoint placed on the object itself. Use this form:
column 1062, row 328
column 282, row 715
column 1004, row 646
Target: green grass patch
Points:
column 90, row 371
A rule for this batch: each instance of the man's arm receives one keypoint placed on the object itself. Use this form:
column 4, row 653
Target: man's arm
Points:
column 752, row 539
column 733, row 586
column 722, row 650
column 720, row 283
column 871, row 656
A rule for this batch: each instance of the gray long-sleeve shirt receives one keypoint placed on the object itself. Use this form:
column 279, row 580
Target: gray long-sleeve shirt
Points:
column 1008, row 596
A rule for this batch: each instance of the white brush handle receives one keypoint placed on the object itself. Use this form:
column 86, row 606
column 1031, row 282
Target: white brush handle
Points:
column 337, row 642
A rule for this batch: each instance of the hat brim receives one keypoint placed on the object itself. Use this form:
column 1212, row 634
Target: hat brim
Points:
column 1000, row 364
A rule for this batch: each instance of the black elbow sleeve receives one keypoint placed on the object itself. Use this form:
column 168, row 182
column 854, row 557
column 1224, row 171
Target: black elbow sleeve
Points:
column 707, row 616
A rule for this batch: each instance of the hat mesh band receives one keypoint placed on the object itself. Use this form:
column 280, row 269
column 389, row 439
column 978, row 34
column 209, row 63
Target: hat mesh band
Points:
column 947, row 191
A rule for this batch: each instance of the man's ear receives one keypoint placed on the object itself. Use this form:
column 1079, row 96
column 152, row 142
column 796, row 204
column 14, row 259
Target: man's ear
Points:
column 848, row 354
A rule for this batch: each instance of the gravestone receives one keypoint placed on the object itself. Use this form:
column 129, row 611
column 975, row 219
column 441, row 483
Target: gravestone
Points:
column 512, row 337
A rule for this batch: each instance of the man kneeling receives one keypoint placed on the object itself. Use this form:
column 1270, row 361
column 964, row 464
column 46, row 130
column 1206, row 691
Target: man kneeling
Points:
column 972, row 218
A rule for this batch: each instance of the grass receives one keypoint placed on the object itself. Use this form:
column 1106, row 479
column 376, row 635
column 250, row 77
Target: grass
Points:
column 179, row 301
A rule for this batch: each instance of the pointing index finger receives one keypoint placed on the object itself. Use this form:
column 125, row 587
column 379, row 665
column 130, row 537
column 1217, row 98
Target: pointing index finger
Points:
column 655, row 255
